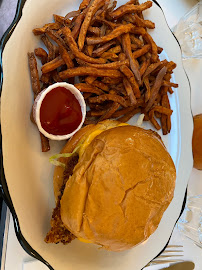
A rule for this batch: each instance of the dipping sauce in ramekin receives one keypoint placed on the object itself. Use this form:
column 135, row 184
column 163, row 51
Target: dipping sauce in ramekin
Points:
column 59, row 111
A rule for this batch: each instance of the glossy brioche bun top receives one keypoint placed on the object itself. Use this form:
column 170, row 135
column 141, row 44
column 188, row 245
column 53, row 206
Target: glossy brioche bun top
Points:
column 120, row 188
column 71, row 144
column 197, row 142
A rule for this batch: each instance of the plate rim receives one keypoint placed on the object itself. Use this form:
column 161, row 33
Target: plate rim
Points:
column 3, row 184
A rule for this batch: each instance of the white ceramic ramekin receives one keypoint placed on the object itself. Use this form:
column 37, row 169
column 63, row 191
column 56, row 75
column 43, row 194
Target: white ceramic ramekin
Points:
column 38, row 102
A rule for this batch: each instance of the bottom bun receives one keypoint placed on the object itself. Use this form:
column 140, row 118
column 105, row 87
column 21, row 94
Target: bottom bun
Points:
column 120, row 188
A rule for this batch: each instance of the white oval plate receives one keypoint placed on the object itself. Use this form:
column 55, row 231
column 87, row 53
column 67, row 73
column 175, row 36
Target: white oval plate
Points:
column 28, row 172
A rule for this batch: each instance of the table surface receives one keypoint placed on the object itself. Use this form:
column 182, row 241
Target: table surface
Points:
column 14, row 257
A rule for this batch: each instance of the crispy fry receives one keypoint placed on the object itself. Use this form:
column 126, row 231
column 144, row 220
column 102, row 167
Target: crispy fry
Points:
column 115, row 98
column 119, row 88
column 129, row 18
column 103, row 30
column 170, row 90
column 94, row 30
column 148, row 90
column 153, row 120
column 32, row 116
column 86, row 23
column 146, row 117
column 102, row 11
column 61, row 19
column 170, row 84
column 87, row 88
column 109, row 80
column 98, row 52
column 89, row 49
column 112, row 25
column 49, row 46
column 45, row 147
column 41, row 53
column 52, row 65
column 115, row 106
column 86, row 95
column 42, row 30
column 129, row 91
column 147, row 56
column 122, row 57
column 136, row 41
column 90, row 79
column 96, row 113
column 116, row 49
column 151, row 68
column 120, row 30
column 141, row 51
column 134, row 47
column 162, row 110
column 84, row 4
column 34, row 74
column 134, row 2
column 71, row 14
column 129, row 115
column 114, row 65
column 112, row 7
column 101, row 85
column 144, row 67
column 159, row 49
column 56, row 37
column 90, row 120
column 157, row 114
column 123, row 111
column 109, row 56
column 119, row 12
column 73, row 46
column 169, row 123
column 89, row 71
column 165, row 119
column 171, row 65
column 143, row 23
column 133, row 62
column 56, row 76
column 155, row 88
column 77, row 25
column 138, row 30
column 128, row 73
column 100, row 107
column 66, row 57
column 154, row 48
column 36, row 89
column 45, row 78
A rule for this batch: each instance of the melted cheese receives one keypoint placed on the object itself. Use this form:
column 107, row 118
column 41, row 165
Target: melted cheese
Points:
column 89, row 140
column 123, row 124
column 84, row 240
column 94, row 134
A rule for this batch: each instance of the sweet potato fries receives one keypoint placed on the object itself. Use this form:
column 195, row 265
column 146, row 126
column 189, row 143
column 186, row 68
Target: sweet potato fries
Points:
column 112, row 59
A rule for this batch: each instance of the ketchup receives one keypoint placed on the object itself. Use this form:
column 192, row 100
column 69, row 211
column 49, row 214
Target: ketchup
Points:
column 60, row 112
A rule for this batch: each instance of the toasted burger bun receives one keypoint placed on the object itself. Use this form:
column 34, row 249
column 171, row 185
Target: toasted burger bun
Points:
column 197, row 142
column 68, row 148
column 120, row 188
column 80, row 136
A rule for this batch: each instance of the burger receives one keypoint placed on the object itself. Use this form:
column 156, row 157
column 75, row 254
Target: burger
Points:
column 112, row 185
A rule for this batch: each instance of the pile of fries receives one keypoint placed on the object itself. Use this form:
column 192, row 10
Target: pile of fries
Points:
column 108, row 54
